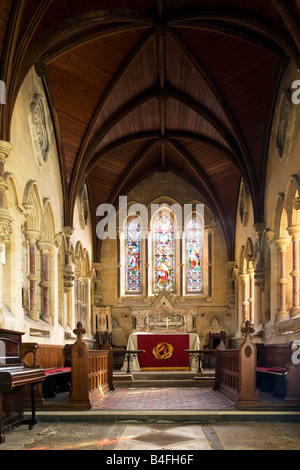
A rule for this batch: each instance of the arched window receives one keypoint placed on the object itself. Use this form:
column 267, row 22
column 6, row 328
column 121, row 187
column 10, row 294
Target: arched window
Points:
column 133, row 257
column 194, row 256
column 166, row 253
column 163, row 251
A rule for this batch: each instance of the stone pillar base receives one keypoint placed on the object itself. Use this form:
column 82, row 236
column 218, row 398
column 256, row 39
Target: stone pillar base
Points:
column 47, row 319
column 282, row 315
column 34, row 315
column 294, row 311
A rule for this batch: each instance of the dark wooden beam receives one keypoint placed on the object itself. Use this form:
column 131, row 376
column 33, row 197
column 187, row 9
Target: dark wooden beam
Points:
column 223, row 104
column 233, row 19
column 86, row 143
column 290, row 22
column 122, row 184
column 7, row 64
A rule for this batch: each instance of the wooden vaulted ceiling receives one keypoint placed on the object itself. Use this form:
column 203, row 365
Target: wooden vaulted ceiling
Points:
column 155, row 85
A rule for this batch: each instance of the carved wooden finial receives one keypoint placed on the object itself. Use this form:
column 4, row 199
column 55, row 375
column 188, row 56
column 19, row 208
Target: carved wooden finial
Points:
column 222, row 336
column 79, row 331
column 247, row 329
column 106, row 337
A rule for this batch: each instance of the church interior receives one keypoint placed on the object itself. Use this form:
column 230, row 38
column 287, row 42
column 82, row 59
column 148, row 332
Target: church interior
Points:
column 150, row 190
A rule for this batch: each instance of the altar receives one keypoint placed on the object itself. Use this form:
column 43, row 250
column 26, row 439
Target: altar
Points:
column 162, row 351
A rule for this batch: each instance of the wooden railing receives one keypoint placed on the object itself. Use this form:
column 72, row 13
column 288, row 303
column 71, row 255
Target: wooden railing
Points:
column 98, row 374
column 227, row 373
column 92, row 372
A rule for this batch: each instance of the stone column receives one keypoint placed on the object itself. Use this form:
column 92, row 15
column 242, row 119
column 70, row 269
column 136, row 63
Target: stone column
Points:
column 68, row 271
column 250, row 272
column 245, row 302
column 83, row 296
column 231, row 285
column 32, row 236
column 5, row 219
column 281, row 244
column 5, row 149
column 77, row 296
column 294, row 231
column 46, row 249
column 209, row 230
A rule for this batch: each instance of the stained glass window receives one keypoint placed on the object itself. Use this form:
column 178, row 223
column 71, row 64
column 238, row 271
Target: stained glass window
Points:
column 163, row 253
column 133, row 257
column 193, row 242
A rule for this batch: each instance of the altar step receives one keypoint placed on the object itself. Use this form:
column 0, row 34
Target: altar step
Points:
column 164, row 379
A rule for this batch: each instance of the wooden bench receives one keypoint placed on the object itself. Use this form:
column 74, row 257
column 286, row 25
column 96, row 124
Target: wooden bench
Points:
column 272, row 367
column 56, row 361
column 89, row 373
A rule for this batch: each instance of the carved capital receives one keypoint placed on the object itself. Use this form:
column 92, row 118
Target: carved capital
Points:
column 45, row 246
column 294, row 231
column 5, row 149
column 32, row 235
column 270, row 234
column 58, row 239
column 5, row 231
column 282, row 243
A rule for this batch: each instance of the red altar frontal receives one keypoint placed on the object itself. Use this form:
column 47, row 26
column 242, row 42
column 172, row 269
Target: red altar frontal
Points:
column 163, row 351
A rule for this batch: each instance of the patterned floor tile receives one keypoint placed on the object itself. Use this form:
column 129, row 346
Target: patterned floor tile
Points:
column 164, row 399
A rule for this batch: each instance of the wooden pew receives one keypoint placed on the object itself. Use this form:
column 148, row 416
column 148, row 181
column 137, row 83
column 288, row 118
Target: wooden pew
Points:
column 272, row 361
column 56, row 361
column 236, row 371
column 275, row 372
column 235, row 376
column 92, row 372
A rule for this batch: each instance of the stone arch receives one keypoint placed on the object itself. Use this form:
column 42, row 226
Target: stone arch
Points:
column 32, row 200
column 292, row 201
column 47, row 226
column 12, row 198
column 277, row 214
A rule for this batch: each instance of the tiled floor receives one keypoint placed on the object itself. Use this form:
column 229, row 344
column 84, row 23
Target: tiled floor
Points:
column 164, row 399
